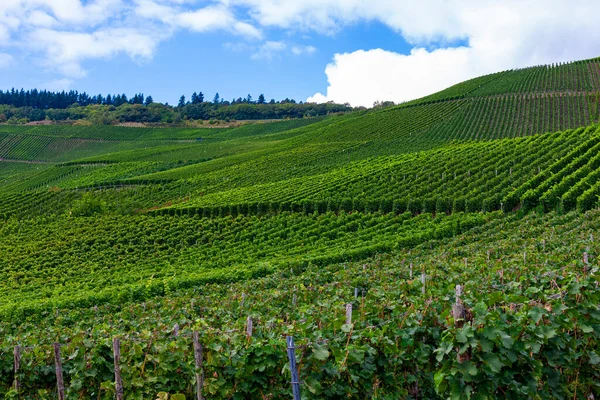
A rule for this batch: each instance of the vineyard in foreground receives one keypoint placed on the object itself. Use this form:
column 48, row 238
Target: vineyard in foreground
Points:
column 529, row 288
column 349, row 233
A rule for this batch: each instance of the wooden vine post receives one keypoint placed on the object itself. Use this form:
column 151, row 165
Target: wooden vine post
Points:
column 423, row 280
column 60, row 383
column 17, row 366
column 249, row 327
column 348, row 314
column 295, row 297
column 459, row 315
column 117, row 358
column 198, row 359
column 291, row 351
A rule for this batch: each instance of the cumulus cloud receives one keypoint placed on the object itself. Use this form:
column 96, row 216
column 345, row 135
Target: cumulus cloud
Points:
column 493, row 35
column 505, row 35
column 215, row 18
column 416, row 20
column 61, row 35
column 41, row 19
column 363, row 77
column 66, row 50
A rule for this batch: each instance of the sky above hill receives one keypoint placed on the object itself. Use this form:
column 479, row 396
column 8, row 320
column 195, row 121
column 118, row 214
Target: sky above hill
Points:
column 356, row 51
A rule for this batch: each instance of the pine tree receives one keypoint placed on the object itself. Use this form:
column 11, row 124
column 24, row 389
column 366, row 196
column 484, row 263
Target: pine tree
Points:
column 181, row 101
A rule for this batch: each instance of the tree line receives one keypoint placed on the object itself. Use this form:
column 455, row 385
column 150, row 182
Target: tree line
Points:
column 43, row 99
column 20, row 106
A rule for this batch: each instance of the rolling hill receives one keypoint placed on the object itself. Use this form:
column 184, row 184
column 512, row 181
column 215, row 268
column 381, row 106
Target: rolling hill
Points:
column 151, row 234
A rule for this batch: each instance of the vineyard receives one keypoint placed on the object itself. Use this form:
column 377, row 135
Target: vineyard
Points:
column 443, row 248
column 528, row 290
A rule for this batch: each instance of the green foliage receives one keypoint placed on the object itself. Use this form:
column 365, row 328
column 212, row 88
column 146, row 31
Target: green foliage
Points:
column 522, row 318
column 87, row 206
column 126, row 232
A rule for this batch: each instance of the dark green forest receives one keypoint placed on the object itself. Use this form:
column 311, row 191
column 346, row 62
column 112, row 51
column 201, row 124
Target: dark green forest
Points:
column 20, row 106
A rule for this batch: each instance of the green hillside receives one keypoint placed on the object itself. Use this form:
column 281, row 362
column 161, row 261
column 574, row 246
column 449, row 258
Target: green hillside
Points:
column 492, row 184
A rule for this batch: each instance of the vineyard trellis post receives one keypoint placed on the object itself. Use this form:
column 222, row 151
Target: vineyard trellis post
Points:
column 17, row 366
column 458, row 313
column 249, row 327
column 198, row 359
column 60, row 383
column 348, row 313
column 423, row 280
column 291, row 350
column 117, row 357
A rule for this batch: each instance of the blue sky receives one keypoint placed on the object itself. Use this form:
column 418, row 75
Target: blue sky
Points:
column 353, row 51
column 212, row 62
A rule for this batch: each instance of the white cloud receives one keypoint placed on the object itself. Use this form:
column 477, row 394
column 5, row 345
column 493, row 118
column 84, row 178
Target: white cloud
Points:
column 41, row 19
column 505, row 35
column 269, row 50
column 66, row 50
column 206, row 19
column 417, row 20
column 363, row 77
column 151, row 10
column 496, row 35
column 247, row 30
column 215, row 18
column 300, row 50
column 5, row 60
column 73, row 11
column 4, row 34
column 60, row 35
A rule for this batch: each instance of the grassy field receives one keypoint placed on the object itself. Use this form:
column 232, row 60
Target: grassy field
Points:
column 492, row 184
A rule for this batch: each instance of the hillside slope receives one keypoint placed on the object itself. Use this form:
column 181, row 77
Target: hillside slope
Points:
column 112, row 231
